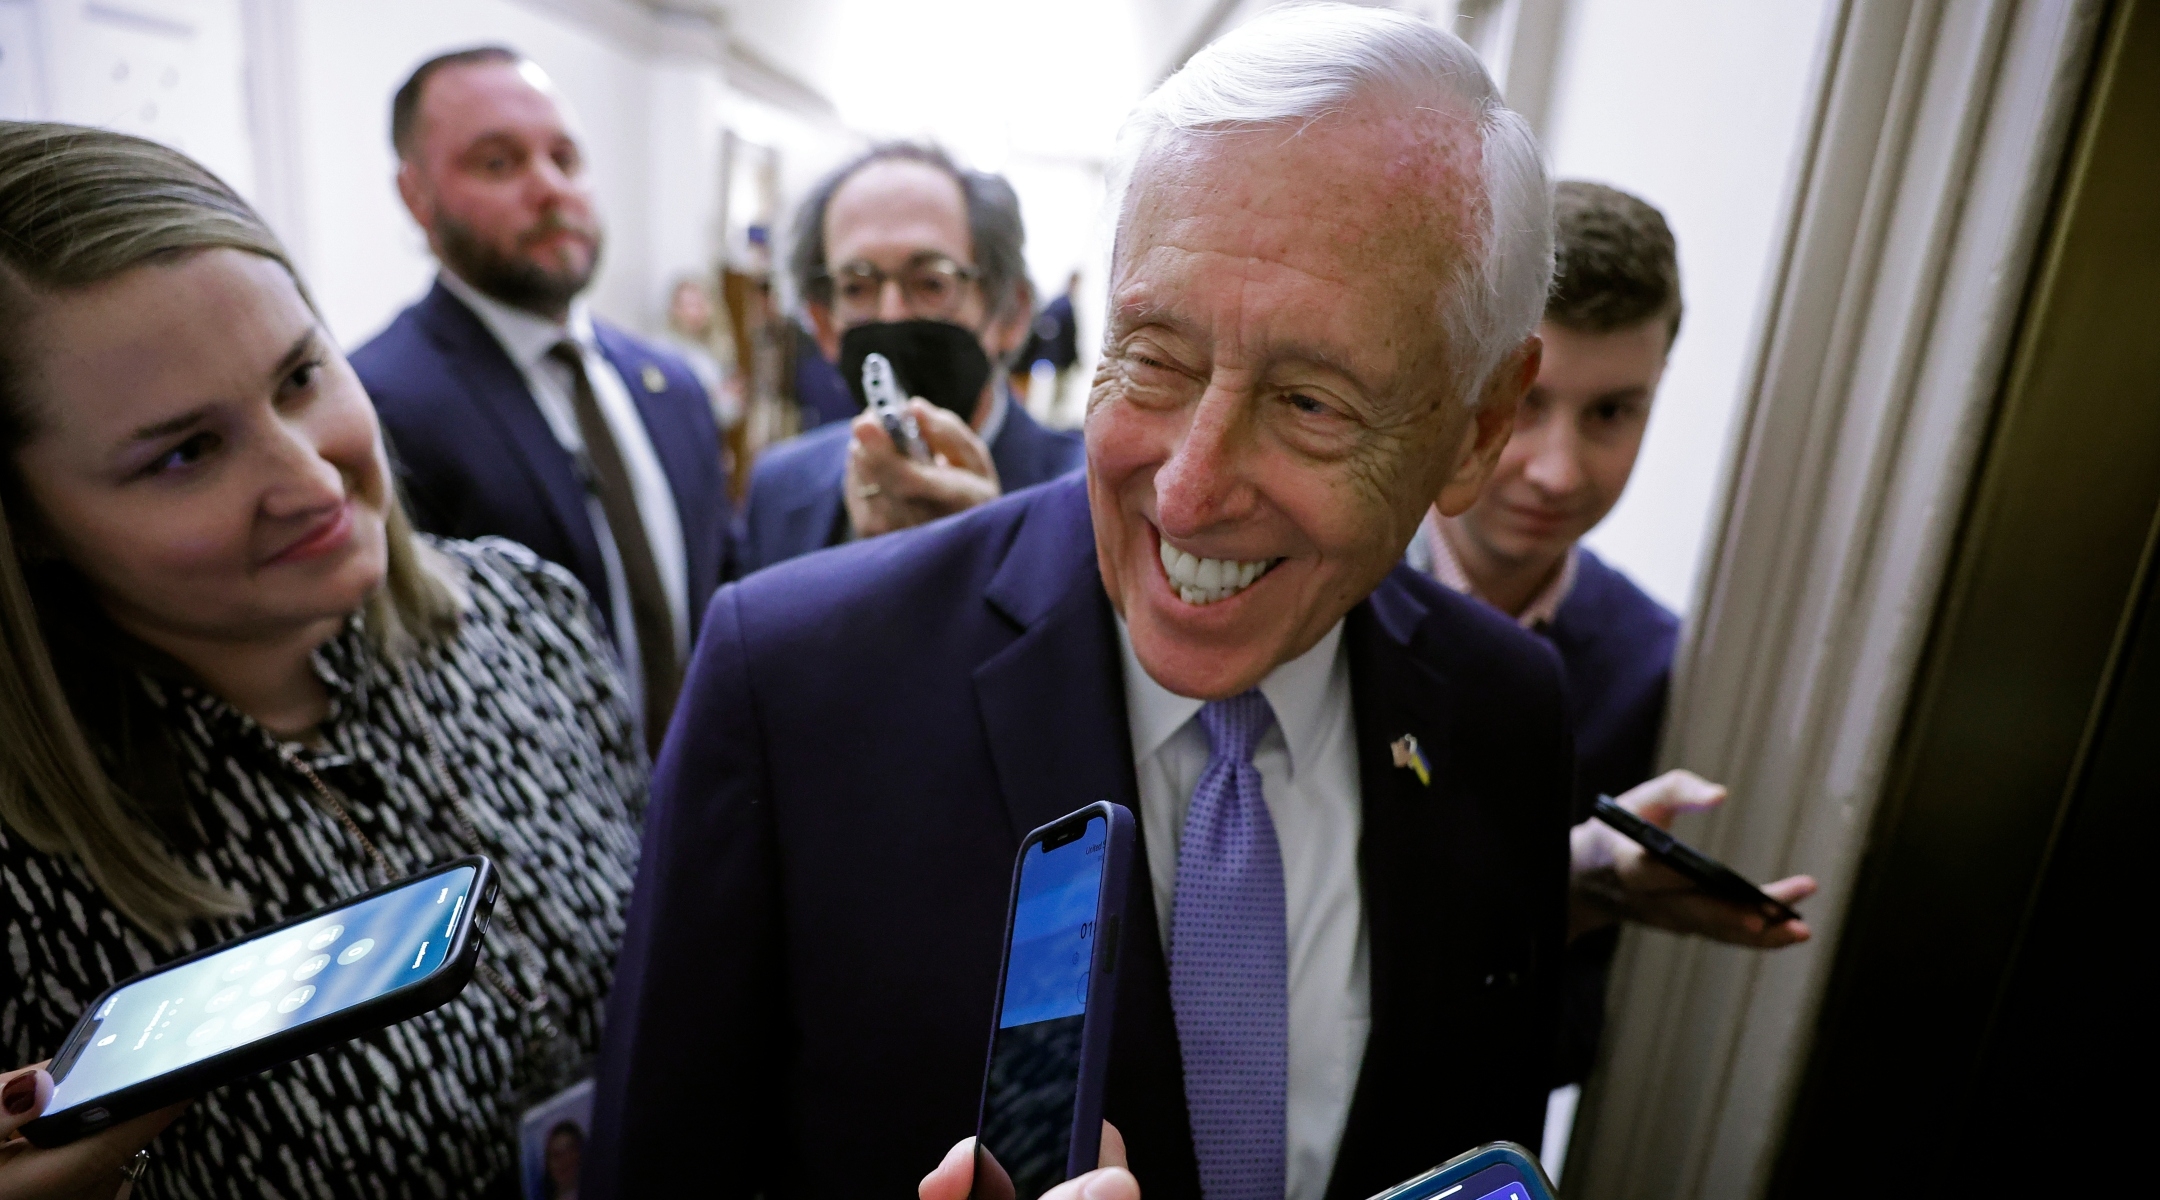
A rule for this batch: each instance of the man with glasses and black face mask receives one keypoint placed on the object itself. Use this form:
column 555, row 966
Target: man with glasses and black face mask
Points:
column 903, row 253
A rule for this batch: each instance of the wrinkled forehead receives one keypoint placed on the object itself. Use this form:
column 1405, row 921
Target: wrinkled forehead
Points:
column 1392, row 202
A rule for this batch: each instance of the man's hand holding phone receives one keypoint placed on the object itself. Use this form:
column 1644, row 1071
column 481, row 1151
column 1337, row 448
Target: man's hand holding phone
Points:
column 90, row 1168
column 952, row 1179
column 1616, row 879
column 885, row 490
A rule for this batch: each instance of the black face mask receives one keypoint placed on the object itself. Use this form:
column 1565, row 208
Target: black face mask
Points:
column 937, row 360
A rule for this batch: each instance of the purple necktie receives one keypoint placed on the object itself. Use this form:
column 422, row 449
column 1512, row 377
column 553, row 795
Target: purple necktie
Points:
column 1229, row 963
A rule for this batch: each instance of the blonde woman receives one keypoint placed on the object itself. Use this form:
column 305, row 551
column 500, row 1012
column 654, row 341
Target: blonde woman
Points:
column 234, row 686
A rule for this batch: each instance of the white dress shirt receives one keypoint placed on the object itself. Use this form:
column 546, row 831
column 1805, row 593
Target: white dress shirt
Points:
column 1308, row 767
column 527, row 338
column 994, row 424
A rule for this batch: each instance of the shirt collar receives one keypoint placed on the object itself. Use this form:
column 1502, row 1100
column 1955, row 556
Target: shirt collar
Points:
column 1000, row 405
column 524, row 336
column 1302, row 692
column 1543, row 607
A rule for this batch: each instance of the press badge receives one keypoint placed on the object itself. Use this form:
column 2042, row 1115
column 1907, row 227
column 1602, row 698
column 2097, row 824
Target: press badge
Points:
column 551, row 1142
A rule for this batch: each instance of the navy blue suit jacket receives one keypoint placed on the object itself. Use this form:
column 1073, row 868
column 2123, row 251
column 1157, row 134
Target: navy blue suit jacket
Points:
column 820, row 392
column 794, row 505
column 803, row 1000
column 476, row 457
column 1617, row 646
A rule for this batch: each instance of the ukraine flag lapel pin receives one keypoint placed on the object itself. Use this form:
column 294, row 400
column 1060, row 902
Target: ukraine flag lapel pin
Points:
column 1410, row 757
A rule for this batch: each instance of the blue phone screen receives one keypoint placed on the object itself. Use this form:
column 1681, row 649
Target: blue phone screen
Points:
column 1034, row 1072
column 264, row 985
column 1498, row 1182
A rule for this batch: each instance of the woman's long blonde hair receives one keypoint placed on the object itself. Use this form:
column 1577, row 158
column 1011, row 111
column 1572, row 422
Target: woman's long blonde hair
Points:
column 77, row 207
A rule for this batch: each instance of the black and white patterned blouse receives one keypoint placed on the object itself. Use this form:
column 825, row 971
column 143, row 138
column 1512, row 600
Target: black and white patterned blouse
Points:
column 538, row 737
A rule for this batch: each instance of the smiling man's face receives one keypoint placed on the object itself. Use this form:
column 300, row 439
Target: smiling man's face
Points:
column 1276, row 404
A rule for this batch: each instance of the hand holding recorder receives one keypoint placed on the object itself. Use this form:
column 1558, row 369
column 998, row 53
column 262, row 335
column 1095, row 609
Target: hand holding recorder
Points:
column 909, row 461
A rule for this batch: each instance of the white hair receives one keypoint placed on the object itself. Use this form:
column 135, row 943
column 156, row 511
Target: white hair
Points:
column 1296, row 64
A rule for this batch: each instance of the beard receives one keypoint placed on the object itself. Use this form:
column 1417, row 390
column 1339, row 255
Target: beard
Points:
column 518, row 282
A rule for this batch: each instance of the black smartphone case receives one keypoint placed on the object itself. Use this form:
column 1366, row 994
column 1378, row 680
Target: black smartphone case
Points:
column 1102, row 981
column 1705, row 872
column 60, row 1128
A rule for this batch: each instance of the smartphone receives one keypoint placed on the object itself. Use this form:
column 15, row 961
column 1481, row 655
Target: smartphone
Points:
column 1700, row 869
column 273, row 996
column 885, row 398
column 1495, row 1171
column 1041, row 1117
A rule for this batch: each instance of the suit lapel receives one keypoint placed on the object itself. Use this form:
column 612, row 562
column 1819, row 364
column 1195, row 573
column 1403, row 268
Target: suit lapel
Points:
column 1053, row 702
column 813, row 522
column 498, row 389
column 1053, row 707
column 1417, row 903
column 1015, row 444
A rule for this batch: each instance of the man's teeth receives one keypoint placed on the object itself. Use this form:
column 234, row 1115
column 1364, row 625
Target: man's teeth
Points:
column 1207, row 580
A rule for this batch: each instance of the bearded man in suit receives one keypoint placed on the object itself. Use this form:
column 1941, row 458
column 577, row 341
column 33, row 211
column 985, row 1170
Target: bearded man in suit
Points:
column 510, row 409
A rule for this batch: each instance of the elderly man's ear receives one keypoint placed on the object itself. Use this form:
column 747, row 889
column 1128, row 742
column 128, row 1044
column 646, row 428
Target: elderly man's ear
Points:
column 1490, row 427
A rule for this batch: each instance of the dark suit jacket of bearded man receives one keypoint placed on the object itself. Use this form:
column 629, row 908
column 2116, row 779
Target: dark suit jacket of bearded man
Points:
column 476, row 458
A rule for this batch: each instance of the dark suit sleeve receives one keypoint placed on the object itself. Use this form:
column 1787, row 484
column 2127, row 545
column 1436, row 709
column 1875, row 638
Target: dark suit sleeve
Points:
column 688, row 1085
column 421, row 479
column 425, row 505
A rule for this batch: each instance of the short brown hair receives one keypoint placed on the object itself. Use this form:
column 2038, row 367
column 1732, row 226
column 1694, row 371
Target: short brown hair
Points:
column 1615, row 264
column 405, row 106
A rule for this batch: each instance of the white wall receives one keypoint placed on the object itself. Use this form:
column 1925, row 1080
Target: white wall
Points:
column 162, row 69
column 1694, row 105
column 289, row 100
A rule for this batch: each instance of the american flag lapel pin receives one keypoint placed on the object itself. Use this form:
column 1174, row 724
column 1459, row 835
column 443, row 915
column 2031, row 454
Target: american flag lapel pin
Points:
column 1410, row 757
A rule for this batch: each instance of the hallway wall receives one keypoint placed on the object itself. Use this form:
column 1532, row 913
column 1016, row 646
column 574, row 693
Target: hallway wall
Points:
column 1696, row 106
column 289, row 101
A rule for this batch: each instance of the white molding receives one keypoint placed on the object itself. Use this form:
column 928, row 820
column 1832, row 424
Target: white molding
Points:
column 629, row 24
column 689, row 29
column 1535, row 28
column 270, row 53
column 1519, row 40
column 1918, row 202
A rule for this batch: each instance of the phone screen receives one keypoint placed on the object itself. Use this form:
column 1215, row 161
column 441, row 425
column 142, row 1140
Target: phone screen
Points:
column 1034, row 1076
column 1497, row 1182
column 263, row 985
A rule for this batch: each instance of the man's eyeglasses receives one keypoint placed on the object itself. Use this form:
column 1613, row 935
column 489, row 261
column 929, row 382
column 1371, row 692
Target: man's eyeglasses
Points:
column 931, row 287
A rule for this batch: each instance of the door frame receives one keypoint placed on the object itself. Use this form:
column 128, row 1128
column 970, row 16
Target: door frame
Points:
column 1924, row 180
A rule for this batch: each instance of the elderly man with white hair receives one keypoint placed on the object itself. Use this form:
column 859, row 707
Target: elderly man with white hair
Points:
column 1333, row 245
